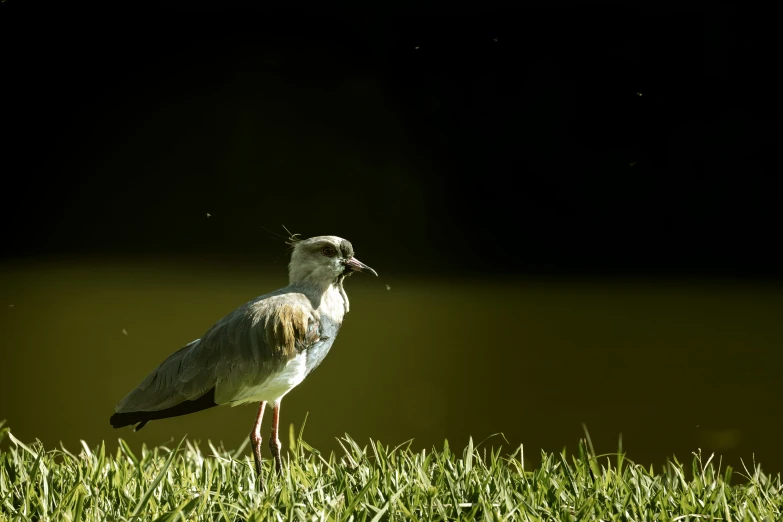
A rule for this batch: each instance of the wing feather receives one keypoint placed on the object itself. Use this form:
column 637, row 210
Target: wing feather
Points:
column 245, row 348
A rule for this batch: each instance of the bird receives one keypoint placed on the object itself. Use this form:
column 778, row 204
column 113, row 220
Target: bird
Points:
column 260, row 351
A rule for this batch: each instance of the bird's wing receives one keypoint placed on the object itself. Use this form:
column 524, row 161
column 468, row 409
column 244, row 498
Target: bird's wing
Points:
column 245, row 348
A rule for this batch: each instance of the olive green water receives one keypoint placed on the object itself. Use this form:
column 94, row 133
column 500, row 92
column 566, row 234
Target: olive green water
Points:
column 673, row 366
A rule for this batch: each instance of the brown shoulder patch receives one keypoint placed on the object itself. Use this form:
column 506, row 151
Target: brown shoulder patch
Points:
column 286, row 327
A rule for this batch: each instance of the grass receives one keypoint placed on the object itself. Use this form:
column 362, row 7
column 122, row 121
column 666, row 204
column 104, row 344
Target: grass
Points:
column 372, row 482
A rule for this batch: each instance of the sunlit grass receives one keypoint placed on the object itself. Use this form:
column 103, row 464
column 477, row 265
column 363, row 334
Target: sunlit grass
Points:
column 370, row 482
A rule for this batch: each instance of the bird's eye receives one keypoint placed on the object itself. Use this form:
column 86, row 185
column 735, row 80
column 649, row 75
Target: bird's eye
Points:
column 328, row 251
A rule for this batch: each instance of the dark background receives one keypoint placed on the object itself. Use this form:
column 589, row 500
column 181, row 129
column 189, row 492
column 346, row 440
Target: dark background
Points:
column 122, row 127
column 577, row 142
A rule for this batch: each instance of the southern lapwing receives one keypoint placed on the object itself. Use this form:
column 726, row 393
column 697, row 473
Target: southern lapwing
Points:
column 260, row 351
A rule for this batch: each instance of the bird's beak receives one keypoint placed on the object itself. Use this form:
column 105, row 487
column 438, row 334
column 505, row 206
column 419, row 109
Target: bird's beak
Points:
column 354, row 265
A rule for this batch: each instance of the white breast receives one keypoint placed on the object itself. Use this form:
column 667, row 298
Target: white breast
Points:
column 334, row 304
column 276, row 386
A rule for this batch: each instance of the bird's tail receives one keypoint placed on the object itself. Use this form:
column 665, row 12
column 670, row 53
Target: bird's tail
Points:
column 128, row 418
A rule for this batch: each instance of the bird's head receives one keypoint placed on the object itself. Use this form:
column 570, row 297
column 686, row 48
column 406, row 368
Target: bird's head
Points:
column 323, row 260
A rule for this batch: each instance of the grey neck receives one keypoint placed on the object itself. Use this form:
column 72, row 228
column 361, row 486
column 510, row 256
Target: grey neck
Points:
column 316, row 292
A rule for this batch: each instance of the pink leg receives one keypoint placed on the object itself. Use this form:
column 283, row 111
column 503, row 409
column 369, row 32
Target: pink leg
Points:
column 255, row 439
column 274, row 440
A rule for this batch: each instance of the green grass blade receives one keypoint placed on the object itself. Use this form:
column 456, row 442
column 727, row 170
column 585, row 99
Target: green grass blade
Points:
column 128, row 453
column 147, row 494
column 386, row 506
column 357, row 498
column 182, row 511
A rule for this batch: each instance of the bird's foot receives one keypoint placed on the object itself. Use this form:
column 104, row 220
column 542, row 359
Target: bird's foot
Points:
column 255, row 443
column 274, row 446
